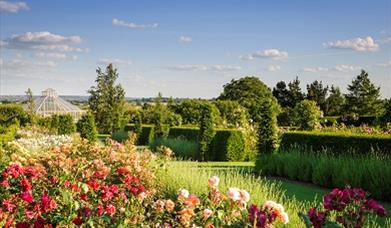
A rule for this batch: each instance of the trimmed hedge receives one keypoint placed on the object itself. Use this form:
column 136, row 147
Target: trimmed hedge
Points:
column 189, row 133
column 370, row 172
column 227, row 145
column 147, row 133
column 336, row 143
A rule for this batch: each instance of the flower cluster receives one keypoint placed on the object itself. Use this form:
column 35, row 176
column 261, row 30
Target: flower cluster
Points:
column 264, row 216
column 351, row 205
column 215, row 209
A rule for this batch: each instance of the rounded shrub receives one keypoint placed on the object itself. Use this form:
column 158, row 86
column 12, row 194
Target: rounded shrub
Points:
column 87, row 128
column 307, row 115
column 66, row 126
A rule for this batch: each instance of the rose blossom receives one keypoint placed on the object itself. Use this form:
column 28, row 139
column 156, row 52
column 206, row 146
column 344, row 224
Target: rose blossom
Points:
column 27, row 196
column 214, row 181
column 110, row 209
column 234, row 194
column 284, row 218
column 183, row 194
column 207, row 213
column 244, row 195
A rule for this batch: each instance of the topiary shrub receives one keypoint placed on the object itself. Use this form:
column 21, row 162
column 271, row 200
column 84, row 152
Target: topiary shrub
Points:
column 227, row 145
column 66, row 126
column 189, row 133
column 146, row 136
column 207, row 130
column 307, row 115
column 268, row 110
column 87, row 128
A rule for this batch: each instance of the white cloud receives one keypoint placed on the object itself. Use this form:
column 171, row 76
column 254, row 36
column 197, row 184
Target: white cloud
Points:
column 115, row 61
column 23, row 65
column 44, row 41
column 385, row 64
column 346, row 68
column 268, row 53
column 273, row 68
column 314, row 69
column 12, row 7
column 132, row 25
column 217, row 68
column 357, row 44
column 185, row 39
column 55, row 56
column 339, row 68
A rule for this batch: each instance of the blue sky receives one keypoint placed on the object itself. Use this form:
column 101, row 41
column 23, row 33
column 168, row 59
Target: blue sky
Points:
column 191, row 48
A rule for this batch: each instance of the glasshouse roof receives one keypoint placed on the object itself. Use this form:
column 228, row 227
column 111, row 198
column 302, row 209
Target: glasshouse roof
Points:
column 50, row 103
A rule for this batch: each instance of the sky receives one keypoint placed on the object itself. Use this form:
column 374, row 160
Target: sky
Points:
column 191, row 48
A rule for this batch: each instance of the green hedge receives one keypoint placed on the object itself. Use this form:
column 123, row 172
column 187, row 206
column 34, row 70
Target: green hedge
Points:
column 189, row 133
column 227, row 145
column 147, row 133
column 182, row 148
column 337, row 143
column 370, row 172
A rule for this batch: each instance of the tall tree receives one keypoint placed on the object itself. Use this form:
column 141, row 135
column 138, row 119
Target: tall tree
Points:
column 30, row 105
column 363, row 96
column 316, row 92
column 107, row 100
column 334, row 102
column 295, row 92
column 282, row 94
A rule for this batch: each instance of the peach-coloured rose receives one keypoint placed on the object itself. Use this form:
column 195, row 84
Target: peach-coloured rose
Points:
column 169, row 205
column 192, row 200
column 269, row 205
column 234, row 194
column 185, row 215
column 214, row 181
column 284, row 218
column 207, row 213
column 245, row 195
column 159, row 205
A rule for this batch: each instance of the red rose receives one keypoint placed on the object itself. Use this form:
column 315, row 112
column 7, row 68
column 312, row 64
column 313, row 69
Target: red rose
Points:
column 93, row 184
column 110, row 209
column 22, row 225
column 67, row 184
column 9, row 205
column 100, row 210
column 25, row 184
column 27, row 196
column 78, row 221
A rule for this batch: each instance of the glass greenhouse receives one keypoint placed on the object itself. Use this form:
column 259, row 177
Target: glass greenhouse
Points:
column 50, row 103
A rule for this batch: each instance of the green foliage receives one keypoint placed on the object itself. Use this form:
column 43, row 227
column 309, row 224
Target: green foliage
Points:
column 66, row 126
column 107, row 100
column 207, row 129
column 373, row 174
column 282, row 94
column 138, row 124
column 7, row 133
column 232, row 114
column 227, row 145
column 295, row 92
column 147, row 133
column 120, row 135
column 386, row 115
column 338, row 143
column 334, row 102
column 87, row 128
column 30, row 106
column 329, row 121
column 363, row 96
column 189, row 110
column 11, row 114
column 188, row 133
column 182, row 148
column 316, row 92
column 263, row 108
column 307, row 115
column 286, row 117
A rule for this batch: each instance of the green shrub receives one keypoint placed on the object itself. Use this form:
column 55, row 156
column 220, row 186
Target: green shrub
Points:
column 337, row 143
column 120, row 135
column 227, row 145
column 182, row 148
column 370, row 172
column 307, row 115
column 329, row 121
column 87, row 128
column 11, row 114
column 7, row 133
column 207, row 131
column 66, row 125
column 147, row 133
column 267, row 125
column 189, row 133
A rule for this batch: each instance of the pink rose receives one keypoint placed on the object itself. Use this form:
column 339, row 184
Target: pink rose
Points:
column 214, row 181
column 234, row 194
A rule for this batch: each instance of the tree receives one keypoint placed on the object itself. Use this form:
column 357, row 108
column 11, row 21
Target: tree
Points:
column 30, row 105
column 87, row 128
column 207, row 128
column 263, row 108
column 316, row 92
column 232, row 114
column 363, row 96
column 190, row 111
column 334, row 102
column 65, row 126
column 307, row 115
column 282, row 94
column 295, row 92
column 385, row 117
column 107, row 100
